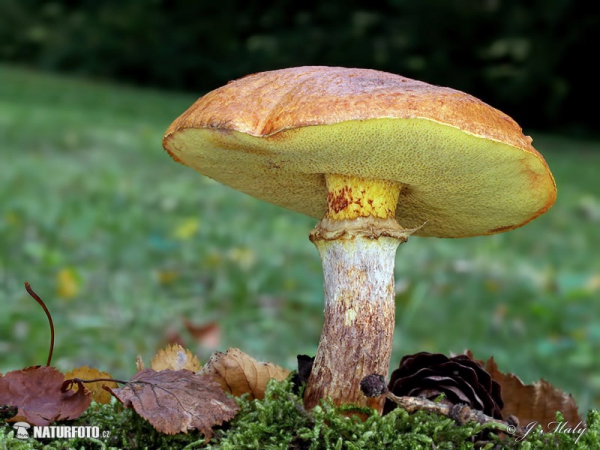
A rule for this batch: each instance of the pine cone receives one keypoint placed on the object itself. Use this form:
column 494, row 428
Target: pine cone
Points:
column 461, row 379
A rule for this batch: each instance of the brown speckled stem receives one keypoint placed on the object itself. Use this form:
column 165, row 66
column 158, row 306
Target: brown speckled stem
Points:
column 358, row 266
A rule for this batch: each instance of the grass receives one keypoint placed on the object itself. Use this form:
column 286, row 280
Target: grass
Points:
column 123, row 244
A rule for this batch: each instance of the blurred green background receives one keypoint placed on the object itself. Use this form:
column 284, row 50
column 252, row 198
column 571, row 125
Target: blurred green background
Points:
column 131, row 250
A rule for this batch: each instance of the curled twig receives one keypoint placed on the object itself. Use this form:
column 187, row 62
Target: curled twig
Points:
column 37, row 298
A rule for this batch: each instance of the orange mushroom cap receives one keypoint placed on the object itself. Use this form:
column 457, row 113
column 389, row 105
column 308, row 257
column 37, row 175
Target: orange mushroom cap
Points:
column 465, row 168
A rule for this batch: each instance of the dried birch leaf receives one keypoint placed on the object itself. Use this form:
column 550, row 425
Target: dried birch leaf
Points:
column 175, row 401
column 208, row 335
column 36, row 392
column 174, row 357
column 139, row 364
column 99, row 395
column 239, row 374
column 537, row 402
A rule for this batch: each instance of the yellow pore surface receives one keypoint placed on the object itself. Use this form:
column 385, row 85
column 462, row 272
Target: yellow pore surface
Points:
column 456, row 183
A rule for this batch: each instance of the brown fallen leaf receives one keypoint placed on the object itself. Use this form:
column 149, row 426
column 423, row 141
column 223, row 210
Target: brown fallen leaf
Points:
column 537, row 402
column 36, row 391
column 239, row 374
column 175, row 401
column 173, row 337
column 99, row 395
column 208, row 335
column 175, row 357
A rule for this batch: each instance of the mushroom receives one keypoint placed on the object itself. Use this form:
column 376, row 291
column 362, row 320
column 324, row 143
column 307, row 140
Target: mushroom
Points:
column 21, row 428
column 375, row 157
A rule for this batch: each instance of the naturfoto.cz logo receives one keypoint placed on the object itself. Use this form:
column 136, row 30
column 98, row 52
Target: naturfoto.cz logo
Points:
column 57, row 432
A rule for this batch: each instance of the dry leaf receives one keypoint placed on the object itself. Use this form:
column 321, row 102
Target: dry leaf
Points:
column 67, row 283
column 173, row 337
column 175, row 357
column 139, row 364
column 99, row 395
column 208, row 335
column 176, row 401
column 537, row 402
column 239, row 374
column 36, row 391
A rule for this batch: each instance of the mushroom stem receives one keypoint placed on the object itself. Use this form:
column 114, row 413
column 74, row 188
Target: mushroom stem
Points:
column 358, row 253
column 351, row 197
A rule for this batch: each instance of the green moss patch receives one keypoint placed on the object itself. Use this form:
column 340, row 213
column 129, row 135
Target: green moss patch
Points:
column 281, row 422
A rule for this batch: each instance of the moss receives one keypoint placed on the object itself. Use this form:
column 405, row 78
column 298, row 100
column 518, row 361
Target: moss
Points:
column 280, row 422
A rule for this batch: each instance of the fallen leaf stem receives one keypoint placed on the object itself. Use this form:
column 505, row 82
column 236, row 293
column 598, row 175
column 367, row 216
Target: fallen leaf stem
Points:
column 68, row 383
column 36, row 297
column 97, row 380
